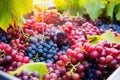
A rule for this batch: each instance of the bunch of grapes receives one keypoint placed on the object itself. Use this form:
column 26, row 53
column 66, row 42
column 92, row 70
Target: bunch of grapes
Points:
column 90, row 29
column 59, row 37
column 63, row 44
column 50, row 17
column 14, row 33
column 105, row 27
column 25, row 75
column 93, row 62
column 19, row 45
column 56, row 18
column 10, row 59
column 42, row 51
column 32, row 27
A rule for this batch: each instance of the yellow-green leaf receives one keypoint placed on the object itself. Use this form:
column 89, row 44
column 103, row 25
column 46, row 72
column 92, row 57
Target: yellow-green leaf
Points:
column 74, row 7
column 94, row 39
column 117, row 12
column 111, row 6
column 60, row 5
column 110, row 37
column 118, row 15
column 94, row 8
column 13, row 10
column 31, row 67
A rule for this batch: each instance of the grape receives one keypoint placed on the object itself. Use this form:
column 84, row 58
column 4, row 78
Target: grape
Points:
column 94, row 54
column 8, row 59
column 53, row 76
column 99, row 49
column 80, row 56
column 3, row 37
column 25, row 75
column 80, row 68
column 109, row 58
column 76, row 76
column 74, row 61
column 64, row 58
column 98, row 73
column 102, row 60
column 113, row 63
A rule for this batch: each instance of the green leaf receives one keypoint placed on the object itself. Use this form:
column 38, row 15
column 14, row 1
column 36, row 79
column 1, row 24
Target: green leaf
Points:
column 13, row 10
column 74, row 7
column 111, row 6
column 110, row 37
column 82, row 2
column 60, row 5
column 5, row 14
column 94, row 8
column 94, row 39
column 117, row 11
column 71, row 6
column 118, row 15
column 31, row 67
column 110, row 9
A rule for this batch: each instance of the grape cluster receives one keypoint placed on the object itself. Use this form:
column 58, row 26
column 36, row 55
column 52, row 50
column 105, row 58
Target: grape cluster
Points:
column 50, row 17
column 95, row 62
column 59, row 37
column 19, row 45
column 63, row 44
column 5, row 61
column 13, row 33
column 25, row 75
column 43, row 51
column 10, row 59
column 105, row 27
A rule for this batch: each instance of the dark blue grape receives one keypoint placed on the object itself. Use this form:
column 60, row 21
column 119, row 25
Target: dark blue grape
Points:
column 41, row 59
column 3, row 37
column 37, row 60
column 40, row 51
column 30, row 55
column 33, row 52
column 49, row 56
column 105, row 27
column 33, row 46
column 44, row 54
column 40, row 46
column 43, row 51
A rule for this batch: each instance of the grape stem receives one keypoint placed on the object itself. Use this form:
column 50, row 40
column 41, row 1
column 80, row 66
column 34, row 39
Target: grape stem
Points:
column 74, row 67
column 3, row 55
column 36, row 56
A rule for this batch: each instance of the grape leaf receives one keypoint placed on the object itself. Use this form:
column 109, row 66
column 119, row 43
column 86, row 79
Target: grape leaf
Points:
column 81, row 3
column 61, row 5
column 117, row 11
column 74, row 7
column 118, row 15
column 94, row 8
column 94, row 39
column 13, row 10
column 111, row 6
column 31, row 67
column 110, row 37
column 71, row 6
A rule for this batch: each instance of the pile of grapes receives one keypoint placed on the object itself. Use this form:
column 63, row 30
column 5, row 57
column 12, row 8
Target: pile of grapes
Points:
column 61, row 43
